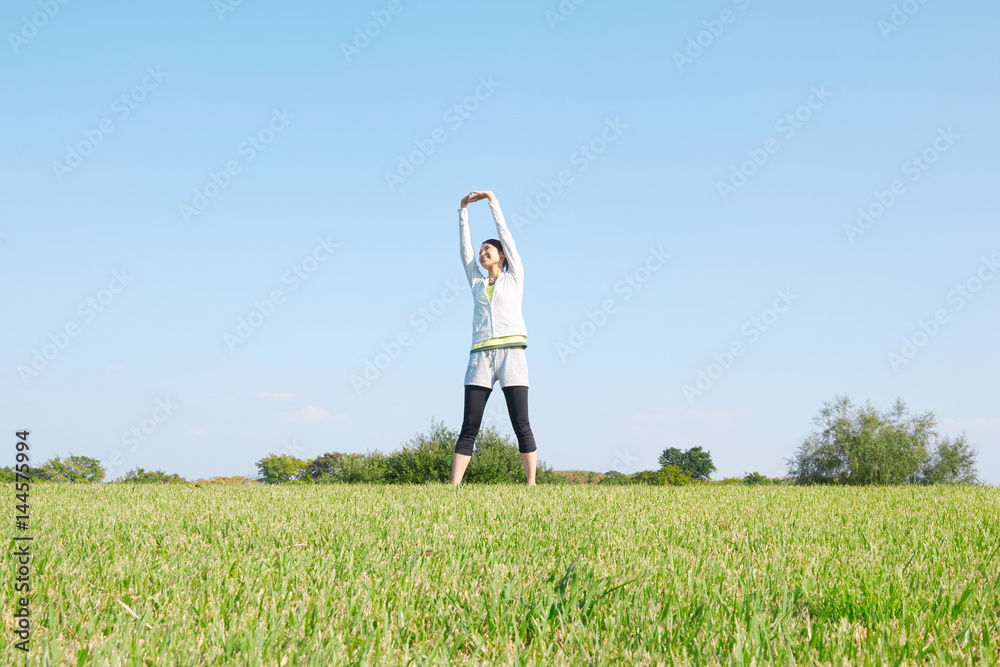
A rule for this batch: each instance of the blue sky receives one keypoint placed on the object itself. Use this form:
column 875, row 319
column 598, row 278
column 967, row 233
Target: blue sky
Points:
column 170, row 170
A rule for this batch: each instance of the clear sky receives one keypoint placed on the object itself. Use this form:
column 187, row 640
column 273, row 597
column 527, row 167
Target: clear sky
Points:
column 810, row 184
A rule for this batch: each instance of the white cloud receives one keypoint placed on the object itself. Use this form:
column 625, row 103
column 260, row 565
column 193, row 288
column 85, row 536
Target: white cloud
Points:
column 315, row 415
column 275, row 397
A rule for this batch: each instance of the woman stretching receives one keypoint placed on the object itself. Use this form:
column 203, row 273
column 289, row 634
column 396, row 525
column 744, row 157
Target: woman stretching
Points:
column 499, row 338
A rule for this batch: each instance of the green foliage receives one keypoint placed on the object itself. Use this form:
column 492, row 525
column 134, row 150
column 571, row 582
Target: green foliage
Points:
column 140, row 476
column 952, row 462
column 275, row 469
column 668, row 475
column 497, row 460
column 428, row 458
column 864, row 447
column 695, row 462
column 70, row 470
column 330, row 463
column 575, row 477
column 7, row 474
column 423, row 458
column 754, row 478
column 614, row 478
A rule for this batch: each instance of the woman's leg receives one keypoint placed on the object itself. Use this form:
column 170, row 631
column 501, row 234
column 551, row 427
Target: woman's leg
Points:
column 517, row 407
column 475, row 405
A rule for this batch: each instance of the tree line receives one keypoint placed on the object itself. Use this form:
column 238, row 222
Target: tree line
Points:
column 851, row 445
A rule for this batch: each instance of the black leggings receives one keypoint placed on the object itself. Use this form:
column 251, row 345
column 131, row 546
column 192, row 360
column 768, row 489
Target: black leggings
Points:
column 475, row 405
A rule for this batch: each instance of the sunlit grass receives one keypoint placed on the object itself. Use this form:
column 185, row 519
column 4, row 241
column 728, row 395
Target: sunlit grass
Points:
column 548, row 575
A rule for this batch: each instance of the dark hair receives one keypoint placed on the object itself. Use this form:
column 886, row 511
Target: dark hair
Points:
column 499, row 246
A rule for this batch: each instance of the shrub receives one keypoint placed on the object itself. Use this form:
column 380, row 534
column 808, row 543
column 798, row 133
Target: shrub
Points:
column 73, row 470
column 575, row 477
column 863, row 447
column 694, row 462
column 614, row 478
column 275, row 469
column 140, row 476
column 237, row 479
column 952, row 462
column 497, row 460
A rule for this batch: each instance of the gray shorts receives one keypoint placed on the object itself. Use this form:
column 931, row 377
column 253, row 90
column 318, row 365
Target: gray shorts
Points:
column 509, row 365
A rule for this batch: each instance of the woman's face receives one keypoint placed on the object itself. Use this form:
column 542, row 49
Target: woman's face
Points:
column 488, row 255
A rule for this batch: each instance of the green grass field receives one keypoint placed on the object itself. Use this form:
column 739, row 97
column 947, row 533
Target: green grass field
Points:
column 550, row 575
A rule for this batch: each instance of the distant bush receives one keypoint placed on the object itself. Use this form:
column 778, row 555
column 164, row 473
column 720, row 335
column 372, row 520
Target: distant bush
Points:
column 863, row 446
column 140, row 476
column 425, row 458
column 238, row 479
column 614, row 478
column 275, row 469
column 668, row 475
column 695, row 463
column 952, row 462
column 71, row 470
column 576, row 477
column 665, row 476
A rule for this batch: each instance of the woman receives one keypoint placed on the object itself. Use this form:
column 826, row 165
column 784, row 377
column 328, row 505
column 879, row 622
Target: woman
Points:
column 499, row 338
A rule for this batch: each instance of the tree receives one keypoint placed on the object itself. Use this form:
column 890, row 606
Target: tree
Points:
column 952, row 462
column 695, row 462
column 73, row 470
column 275, row 469
column 330, row 463
column 668, row 475
column 862, row 446
column 140, row 476
column 614, row 478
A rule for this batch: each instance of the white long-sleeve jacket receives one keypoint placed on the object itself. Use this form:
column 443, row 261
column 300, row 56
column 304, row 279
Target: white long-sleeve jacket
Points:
column 502, row 315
